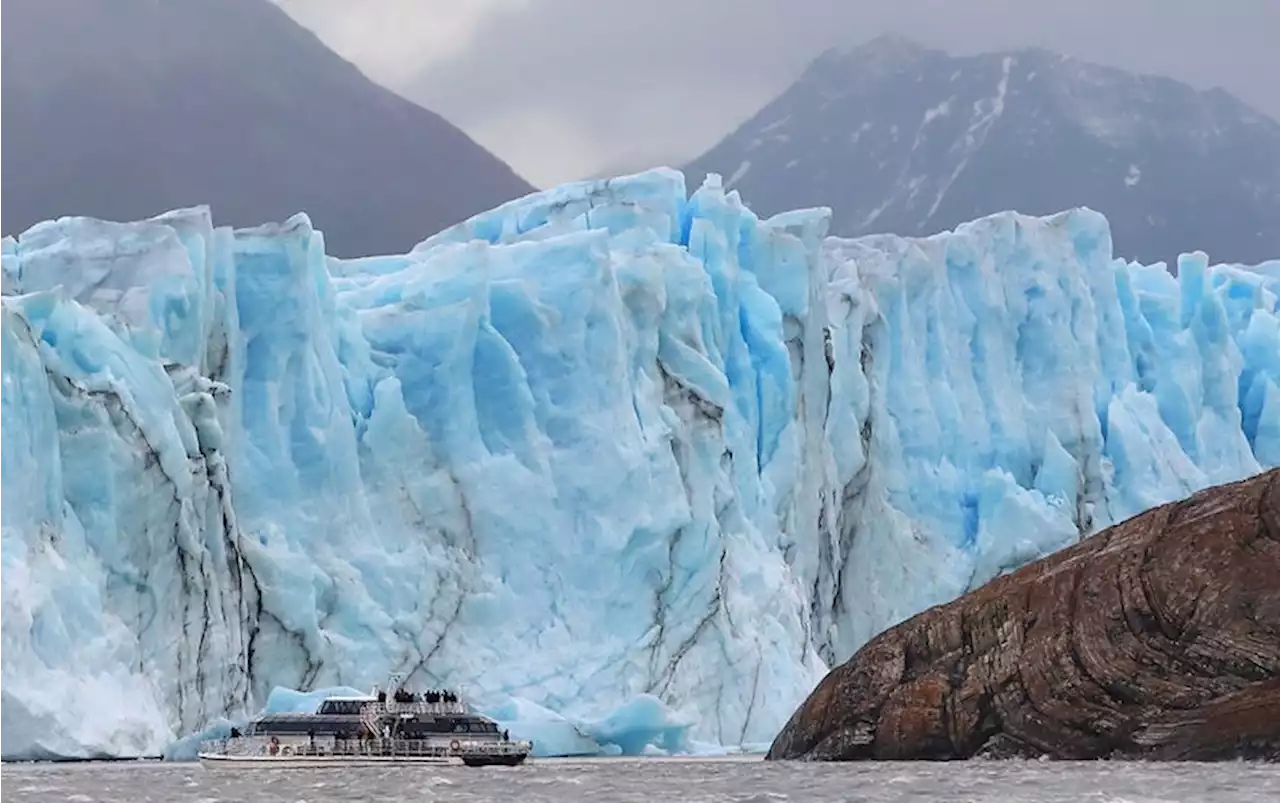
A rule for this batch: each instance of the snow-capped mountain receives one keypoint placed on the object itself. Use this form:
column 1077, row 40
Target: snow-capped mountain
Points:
column 899, row 138
column 125, row 108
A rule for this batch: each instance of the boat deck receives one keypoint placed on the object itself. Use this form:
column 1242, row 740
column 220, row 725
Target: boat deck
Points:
column 260, row 751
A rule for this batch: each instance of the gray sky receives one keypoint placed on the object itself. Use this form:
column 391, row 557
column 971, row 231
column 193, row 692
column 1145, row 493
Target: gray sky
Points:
column 561, row 89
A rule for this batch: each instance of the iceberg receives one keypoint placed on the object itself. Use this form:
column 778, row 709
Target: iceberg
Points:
column 629, row 466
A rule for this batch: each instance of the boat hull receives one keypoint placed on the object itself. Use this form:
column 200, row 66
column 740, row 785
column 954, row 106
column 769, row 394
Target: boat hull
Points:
column 495, row 761
column 222, row 761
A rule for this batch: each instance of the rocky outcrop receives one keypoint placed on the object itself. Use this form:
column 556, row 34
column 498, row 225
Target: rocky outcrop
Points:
column 1157, row 638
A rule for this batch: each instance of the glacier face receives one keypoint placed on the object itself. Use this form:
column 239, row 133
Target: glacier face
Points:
column 607, row 453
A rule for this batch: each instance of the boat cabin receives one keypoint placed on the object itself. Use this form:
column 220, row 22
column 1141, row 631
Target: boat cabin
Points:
column 343, row 705
column 404, row 716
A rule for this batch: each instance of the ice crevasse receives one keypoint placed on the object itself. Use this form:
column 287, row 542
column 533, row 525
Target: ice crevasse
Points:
column 629, row 466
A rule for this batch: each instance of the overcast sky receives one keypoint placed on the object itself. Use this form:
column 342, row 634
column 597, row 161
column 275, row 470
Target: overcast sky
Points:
column 562, row 89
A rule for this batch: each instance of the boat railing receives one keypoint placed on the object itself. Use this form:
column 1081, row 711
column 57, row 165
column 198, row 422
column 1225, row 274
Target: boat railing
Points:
column 257, row 746
column 415, row 707
column 372, row 713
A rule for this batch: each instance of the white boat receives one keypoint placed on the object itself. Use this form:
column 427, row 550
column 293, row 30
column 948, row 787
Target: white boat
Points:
column 385, row 727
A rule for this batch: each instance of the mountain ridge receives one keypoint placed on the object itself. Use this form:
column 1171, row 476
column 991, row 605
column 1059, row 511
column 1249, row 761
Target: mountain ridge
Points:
column 898, row 137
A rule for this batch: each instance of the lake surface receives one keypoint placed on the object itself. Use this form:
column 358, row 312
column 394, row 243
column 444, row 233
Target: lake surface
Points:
column 735, row 780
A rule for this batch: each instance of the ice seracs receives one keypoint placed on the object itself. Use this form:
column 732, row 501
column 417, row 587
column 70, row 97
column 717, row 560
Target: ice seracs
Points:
column 633, row 465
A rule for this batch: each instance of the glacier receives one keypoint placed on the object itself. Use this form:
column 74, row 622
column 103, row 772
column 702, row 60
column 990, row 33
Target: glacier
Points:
column 630, row 466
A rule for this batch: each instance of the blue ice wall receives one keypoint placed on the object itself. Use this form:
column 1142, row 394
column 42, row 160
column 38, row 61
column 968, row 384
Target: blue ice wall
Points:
column 610, row 454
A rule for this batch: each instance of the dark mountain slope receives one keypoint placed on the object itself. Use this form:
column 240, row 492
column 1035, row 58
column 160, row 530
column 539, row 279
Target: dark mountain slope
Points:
column 123, row 109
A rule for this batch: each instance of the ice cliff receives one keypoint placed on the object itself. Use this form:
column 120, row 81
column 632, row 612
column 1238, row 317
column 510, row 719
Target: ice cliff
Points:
column 607, row 455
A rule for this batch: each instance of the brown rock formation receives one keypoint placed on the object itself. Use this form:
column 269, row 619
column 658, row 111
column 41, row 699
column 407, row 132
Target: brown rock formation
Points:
column 1157, row 638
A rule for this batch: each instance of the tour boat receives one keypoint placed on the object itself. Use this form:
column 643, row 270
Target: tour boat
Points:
column 393, row 726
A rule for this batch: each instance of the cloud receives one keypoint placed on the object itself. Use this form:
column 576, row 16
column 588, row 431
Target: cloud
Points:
column 393, row 41
column 566, row 88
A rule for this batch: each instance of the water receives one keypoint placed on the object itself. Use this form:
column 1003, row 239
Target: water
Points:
column 603, row 780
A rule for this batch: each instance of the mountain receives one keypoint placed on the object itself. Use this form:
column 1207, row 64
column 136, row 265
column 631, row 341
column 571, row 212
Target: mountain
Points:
column 127, row 108
column 604, row 444
column 899, row 138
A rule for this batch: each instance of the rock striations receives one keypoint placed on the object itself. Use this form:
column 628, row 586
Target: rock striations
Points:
column 1157, row 638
